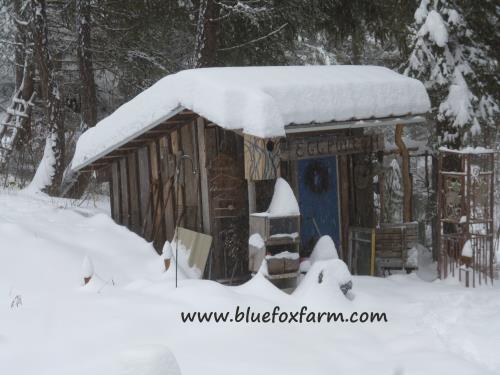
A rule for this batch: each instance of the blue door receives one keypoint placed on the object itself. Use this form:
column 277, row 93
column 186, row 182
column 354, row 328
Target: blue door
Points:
column 318, row 201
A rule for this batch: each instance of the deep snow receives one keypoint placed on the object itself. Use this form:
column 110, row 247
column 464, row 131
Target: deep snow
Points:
column 51, row 324
column 260, row 101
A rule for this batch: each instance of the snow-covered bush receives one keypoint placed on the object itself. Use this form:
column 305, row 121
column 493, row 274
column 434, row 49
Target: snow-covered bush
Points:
column 457, row 68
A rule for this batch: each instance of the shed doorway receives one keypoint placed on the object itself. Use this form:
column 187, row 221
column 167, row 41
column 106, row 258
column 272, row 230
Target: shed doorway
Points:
column 318, row 201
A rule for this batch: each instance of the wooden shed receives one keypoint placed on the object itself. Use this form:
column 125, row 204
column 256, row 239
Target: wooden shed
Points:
column 201, row 149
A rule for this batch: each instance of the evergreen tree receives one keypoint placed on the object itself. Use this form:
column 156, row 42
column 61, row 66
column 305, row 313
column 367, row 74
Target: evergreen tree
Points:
column 458, row 69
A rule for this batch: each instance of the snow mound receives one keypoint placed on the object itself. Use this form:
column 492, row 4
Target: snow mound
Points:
column 259, row 286
column 322, row 282
column 324, row 249
column 149, row 360
column 259, row 100
column 283, row 202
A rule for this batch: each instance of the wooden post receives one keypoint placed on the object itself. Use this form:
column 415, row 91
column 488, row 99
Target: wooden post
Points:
column 372, row 260
column 405, row 157
column 252, row 200
column 133, row 187
column 202, row 155
column 343, row 164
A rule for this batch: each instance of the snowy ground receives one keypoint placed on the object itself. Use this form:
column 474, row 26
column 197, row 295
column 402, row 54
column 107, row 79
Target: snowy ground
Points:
column 63, row 328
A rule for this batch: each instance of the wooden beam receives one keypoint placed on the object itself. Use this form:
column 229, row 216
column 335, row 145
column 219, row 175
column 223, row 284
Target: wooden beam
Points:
column 144, row 191
column 116, row 192
column 202, row 156
column 252, row 200
column 133, row 181
column 167, row 177
column 125, row 196
column 405, row 159
column 343, row 173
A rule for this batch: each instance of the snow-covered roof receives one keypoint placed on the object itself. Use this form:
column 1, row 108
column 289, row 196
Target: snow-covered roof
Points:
column 260, row 101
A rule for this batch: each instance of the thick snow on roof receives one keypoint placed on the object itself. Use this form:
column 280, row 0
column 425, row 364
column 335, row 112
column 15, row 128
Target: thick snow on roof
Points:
column 260, row 100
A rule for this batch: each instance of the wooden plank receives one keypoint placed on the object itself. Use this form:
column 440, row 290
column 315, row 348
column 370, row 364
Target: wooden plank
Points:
column 328, row 144
column 262, row 158
column 145, row 192
column 167, row 165
column 191, row 180
column 115, row 193
column 405, row 171
column 252, row 199
column 175, row 145
column 202, row 163
column 157, row 197
column 343, row 173
column 133, row 184
column 125, row 192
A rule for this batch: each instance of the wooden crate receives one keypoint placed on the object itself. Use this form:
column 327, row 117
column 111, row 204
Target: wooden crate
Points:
column 394, row 240
column 270, row 228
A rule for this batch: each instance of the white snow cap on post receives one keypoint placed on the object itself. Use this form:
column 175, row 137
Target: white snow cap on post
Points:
column 167, row 250
column 87, row 268
column 283, row 202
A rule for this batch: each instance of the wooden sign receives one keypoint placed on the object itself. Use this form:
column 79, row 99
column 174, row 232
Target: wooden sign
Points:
column 262, row 158
column 330, row 144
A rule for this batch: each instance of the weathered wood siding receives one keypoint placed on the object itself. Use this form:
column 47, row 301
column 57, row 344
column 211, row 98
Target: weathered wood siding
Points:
column 144, row 195
column 228, row 203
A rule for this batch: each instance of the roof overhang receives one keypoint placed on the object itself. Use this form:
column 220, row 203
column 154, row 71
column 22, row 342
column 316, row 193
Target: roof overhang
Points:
column 354, row 124
column 181, row 116
column 107, row 153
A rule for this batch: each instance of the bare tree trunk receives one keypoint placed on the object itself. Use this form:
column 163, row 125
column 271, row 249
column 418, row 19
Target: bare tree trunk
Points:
column 206, row 35
column 18, row 118
column 53, row 98
column 75, row 184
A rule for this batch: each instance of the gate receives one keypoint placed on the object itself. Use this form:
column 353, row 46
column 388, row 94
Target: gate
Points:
column 465, row 209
